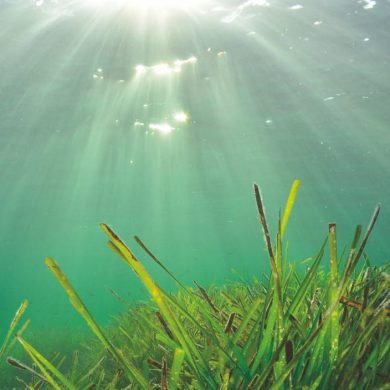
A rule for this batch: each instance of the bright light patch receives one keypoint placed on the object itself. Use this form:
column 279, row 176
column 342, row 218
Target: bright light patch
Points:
column 163, row 128
column 94, row 3
column 296, row 7
column 369, row 4
column 191, row 60
column 241, row 8
column 166, row 3
column 164, row 69
column 180, row 117
column 140, row 69
column 142, row 4
column 329, row 98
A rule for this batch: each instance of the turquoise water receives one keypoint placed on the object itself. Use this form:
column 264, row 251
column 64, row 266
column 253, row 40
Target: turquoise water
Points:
column 158, row 119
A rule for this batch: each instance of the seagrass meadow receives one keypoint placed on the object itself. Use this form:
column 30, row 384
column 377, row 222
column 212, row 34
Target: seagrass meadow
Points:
column 144, row 124
column 316, row 329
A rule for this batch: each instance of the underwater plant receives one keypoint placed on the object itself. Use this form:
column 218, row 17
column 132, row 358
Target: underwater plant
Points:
column 317, row 330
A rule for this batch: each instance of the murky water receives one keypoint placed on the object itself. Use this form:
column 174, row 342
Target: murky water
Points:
column 157, row 120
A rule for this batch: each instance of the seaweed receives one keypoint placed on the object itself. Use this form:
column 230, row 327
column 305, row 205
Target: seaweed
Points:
column 327, row 327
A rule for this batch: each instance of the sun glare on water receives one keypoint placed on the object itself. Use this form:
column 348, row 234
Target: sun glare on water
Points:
column 163, row 128
column 173, row 4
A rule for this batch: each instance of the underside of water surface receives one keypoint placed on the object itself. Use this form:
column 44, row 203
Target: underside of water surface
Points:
column 147, row 123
